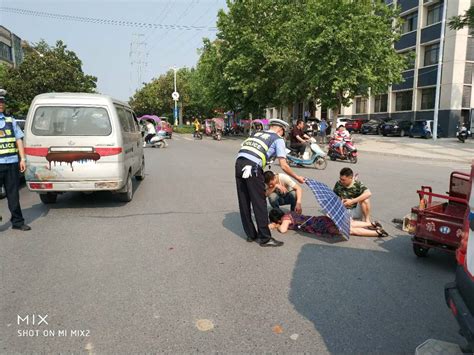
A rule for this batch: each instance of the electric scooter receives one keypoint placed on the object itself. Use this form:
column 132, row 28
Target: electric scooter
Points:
column 350, row 151
column 463, row 133
column 313, row 157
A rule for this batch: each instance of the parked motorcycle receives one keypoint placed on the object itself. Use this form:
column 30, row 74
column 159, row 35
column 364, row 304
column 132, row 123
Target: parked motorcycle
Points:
column 313, row 157
column 156, row 141
column 350, row 151
column 463, row 133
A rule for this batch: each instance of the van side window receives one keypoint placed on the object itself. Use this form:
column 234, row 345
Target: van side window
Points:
column 132, row 122
column 124, row 122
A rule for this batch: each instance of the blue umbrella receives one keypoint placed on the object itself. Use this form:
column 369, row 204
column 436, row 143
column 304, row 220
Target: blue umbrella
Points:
column 332, row 206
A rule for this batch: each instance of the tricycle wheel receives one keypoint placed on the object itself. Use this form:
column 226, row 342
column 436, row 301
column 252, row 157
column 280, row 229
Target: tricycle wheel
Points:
column 420, row 251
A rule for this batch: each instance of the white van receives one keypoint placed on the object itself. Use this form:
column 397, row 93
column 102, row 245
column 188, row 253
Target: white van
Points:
column 82, row 142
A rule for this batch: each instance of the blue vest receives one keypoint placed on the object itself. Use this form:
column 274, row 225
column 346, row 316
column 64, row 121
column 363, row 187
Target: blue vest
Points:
column 258, row 145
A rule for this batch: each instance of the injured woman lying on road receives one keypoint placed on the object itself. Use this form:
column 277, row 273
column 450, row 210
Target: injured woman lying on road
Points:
column 320, row 226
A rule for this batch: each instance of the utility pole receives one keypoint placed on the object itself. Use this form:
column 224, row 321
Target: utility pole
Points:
column 138, row 61
column 440, row 68
column 175, row 97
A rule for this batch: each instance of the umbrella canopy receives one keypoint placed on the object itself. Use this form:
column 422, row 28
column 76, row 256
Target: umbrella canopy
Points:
column 149, row 117
column 332, row 206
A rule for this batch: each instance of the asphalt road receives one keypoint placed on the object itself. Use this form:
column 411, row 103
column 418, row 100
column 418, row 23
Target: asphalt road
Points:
column 155, row 274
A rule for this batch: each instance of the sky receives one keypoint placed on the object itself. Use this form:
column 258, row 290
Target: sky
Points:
column 105, row 50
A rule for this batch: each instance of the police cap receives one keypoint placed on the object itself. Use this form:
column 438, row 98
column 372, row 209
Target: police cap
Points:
column 278, row 122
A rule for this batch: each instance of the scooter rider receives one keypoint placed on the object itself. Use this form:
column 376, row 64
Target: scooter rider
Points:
column 341, row 136
column 197, row 127
column 251, row 160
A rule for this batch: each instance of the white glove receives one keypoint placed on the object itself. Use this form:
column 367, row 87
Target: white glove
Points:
column 246, row 171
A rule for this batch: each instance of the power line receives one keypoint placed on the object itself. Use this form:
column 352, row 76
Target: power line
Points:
column 163, row 16
column 180, row 16
column 102, row 21
column 197, row 20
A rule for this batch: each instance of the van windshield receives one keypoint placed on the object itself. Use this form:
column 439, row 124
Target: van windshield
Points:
column 71, row 121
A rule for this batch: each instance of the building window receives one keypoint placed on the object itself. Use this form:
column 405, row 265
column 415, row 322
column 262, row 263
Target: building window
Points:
column 431, row 54
column 403, row 100
column 410, row 22
column 381, row 103
column 5, row 52
column 428, row 98
column 435, row 14
column 470, row 49
column 361, row 105
column 468, row 73
column 466, row 96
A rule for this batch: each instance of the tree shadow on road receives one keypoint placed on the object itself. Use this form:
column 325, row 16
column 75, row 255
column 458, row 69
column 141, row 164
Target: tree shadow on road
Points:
column 373, row 301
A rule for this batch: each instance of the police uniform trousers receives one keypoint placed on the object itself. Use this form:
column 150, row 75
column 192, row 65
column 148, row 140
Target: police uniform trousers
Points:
column 251, row 192
column 10, row 178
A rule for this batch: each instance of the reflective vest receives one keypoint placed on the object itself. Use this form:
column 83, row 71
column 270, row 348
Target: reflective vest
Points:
column 258, row 144
column 7, row 139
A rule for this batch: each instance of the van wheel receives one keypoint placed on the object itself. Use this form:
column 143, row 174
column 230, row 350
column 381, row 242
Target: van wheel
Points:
column 48, row 198
column 141, row 173
column 128, row 194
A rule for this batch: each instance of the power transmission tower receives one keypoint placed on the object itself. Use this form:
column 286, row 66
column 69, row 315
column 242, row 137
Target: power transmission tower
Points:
column 138, row 61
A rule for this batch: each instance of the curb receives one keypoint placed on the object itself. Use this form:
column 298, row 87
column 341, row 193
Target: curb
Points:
column 457, row 160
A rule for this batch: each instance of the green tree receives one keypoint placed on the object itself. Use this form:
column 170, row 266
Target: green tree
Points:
column 252, row 35
column 210, row 89
column 347, row 49
column 326, row 50
column 45, row 69
column 155, row 97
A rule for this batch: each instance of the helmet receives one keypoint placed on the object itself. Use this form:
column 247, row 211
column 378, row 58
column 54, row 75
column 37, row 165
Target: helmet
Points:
column 278, row 122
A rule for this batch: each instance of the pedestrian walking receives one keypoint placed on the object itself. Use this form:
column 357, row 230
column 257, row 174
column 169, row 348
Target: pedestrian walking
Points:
column 252, row 158
column 323, row 125
column 11, row 145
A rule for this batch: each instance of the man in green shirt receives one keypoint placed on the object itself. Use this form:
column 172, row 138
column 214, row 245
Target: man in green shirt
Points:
column 354, row 194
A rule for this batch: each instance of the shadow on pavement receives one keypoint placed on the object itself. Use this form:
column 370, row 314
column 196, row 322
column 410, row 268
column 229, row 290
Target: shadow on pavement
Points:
column 100, row 199
column 233, row 224
column 349, row 296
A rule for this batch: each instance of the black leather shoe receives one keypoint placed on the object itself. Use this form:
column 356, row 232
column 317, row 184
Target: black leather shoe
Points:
column 23, row 227
column 272, row 243
column 250, row 240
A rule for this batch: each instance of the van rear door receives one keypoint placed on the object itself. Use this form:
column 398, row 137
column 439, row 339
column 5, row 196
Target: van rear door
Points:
column 72, row 143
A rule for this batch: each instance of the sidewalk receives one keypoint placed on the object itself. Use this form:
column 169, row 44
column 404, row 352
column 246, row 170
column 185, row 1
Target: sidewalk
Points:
column 445, row 149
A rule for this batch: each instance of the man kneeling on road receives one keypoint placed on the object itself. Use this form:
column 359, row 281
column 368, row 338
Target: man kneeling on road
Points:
column 282, row 190
column 354, row 194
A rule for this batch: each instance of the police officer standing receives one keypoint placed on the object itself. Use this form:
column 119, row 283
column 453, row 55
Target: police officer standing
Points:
column 11, row 145
column 251, row 160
